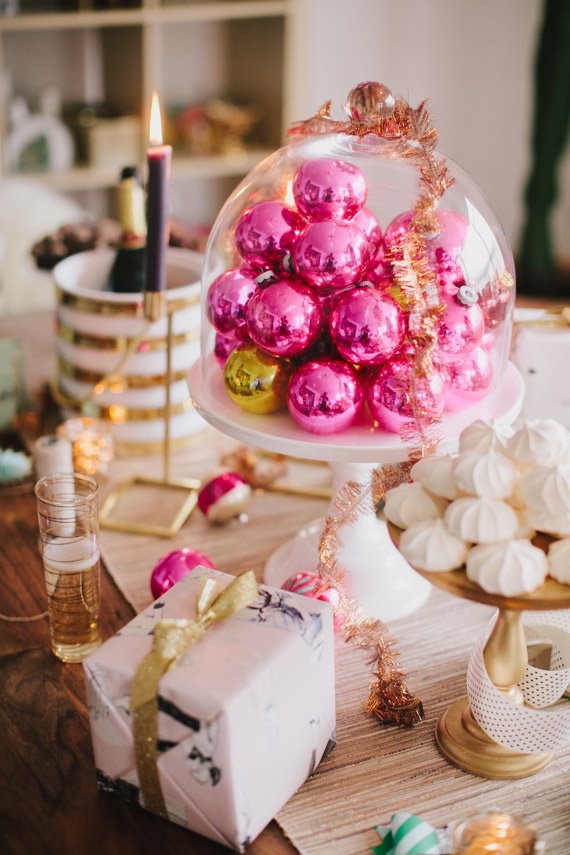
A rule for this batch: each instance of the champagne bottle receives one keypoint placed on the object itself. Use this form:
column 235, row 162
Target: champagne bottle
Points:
column 128, row 270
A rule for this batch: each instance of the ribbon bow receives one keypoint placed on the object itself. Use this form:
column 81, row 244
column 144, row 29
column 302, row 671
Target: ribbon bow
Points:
column 407, row 835
column 171, row 639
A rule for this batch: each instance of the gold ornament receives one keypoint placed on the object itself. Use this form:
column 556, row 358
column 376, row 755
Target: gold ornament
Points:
column 255, row 380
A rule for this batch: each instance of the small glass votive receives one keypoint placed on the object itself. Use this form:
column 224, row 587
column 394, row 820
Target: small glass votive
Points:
column 69, row 525
column 92, row 444
column 493, row 833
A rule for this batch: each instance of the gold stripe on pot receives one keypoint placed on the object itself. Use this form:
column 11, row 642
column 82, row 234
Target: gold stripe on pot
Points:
column 126, row 448
column 117, row 413
column 130, row 310
column 121, row 343
column 133, row 381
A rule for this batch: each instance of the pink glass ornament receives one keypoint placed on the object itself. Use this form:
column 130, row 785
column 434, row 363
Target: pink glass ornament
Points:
column 451, row 236
column 224, row 496
column 329, row 189
column 390, row 394
column 228, row 296
column 330, row 255
column 284, row 318
column 306, row 583
column 366, row 326
column 324, row 396
column 368, row 224
column 266, row 232
column 378, row 272
column 224, row 345
column 172, row 567
column 494, row 301
column 459, row 329
column 467, row 381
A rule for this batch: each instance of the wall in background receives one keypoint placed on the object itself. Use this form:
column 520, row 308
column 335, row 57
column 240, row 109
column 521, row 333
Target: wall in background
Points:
column 473, row 60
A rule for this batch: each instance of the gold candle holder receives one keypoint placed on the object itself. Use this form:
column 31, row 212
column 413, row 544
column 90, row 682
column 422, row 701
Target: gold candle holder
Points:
column 458, row 736
column 493, row 832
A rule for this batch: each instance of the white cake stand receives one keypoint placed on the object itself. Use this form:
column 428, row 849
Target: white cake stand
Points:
column 376, row 574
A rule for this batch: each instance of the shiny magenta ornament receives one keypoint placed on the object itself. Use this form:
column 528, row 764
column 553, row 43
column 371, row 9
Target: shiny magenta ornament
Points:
column 459, row 329
column 330, row 255
column 306, row 584
column 451, row 234
column 467, row 381
column 171, row 568
column 224, row 345
column 266, row 232
column 378, row 272
column 329, row 189
column 391, row 396
column 369, row 225
column 366, row 326
column 223, row 496
column 324, row 396
column 228, row 296
column 285, row 317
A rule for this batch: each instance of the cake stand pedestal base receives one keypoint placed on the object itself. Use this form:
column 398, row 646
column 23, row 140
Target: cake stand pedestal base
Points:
column 462, row 742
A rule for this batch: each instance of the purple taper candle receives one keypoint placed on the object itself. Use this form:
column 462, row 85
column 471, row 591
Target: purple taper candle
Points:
column 158, row 160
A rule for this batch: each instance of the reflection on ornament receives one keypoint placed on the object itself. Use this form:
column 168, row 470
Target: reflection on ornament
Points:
column 324, row 396
column 330, row 255
column 284, row 318
column 256, row 381
column 228, row 296
column 223, row 496
column 459, row 330
column 171, row 568
column 468, row 380
column 394, row 400
column 366, row 326
column 369, row 225
column 265, row 233
column 224, row 346
column 327, row 188
column 451, row 234
column 307, row 584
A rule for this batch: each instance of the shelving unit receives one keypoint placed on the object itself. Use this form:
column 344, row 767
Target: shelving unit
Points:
column 188, row 51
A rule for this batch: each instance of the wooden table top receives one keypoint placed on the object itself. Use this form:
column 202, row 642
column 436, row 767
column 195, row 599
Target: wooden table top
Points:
column 49, row 799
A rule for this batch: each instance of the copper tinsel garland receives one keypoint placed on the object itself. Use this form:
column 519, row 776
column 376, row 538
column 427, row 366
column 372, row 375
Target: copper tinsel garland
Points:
column 414, row 137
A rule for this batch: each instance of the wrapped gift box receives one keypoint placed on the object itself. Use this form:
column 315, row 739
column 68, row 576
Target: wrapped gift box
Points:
column 540, row 350
column 245, row 714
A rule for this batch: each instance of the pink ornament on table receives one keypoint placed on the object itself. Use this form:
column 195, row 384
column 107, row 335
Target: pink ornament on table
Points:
column 330, row 255
column 390, row 394
column 171, row 568
column 223, row 346
column 467, row 381
column 329, row 189
column 306, row 584
column 366, row 326
column 324, row 396
column 223, row 496
column 369, row 225
column 228, row 295
column 266, row 232
column 459, row 329
column 284, row 318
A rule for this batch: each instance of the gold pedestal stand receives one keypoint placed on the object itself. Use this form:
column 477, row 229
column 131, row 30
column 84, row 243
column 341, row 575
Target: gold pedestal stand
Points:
column 155, row 307
column 458, row 736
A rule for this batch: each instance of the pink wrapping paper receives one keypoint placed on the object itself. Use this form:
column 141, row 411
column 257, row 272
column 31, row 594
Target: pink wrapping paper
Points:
column 245, row 715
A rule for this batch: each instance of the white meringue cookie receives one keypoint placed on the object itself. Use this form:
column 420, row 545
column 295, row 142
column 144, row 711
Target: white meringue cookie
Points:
column 482, row 436
column 435, row 474
column 525, row 530
column 487, row 474
column 559, row 560
column 546, row 489
column 509, row 568
column 481, row 520
column 429, row 545
column 410, row 503
column 557, row 526
column 539, row 441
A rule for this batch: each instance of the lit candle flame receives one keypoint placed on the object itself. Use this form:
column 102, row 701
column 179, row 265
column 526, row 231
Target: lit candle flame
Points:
column 155, row 134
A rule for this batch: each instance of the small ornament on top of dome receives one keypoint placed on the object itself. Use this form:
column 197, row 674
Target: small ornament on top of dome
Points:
column 369, row 101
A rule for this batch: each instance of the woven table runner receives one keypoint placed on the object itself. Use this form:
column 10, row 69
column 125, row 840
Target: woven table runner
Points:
column 374, row 771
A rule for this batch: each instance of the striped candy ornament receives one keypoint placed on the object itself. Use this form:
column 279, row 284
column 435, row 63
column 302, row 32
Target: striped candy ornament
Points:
column 407, row 835
column 305, row 584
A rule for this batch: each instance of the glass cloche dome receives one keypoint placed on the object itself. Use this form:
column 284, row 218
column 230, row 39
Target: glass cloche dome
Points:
column 357, row 277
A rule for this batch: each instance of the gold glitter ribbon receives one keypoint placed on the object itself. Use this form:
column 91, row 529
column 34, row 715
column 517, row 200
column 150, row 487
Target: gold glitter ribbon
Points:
column 171, row 639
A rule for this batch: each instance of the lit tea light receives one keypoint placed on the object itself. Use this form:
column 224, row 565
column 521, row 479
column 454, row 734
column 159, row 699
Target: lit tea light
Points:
column 494, row 834
column 92, row 444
